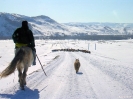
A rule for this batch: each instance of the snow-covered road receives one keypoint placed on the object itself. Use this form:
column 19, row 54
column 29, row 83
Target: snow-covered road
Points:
column 100, row 76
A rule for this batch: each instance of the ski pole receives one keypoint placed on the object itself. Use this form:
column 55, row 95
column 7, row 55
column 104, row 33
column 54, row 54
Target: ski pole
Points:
column 41, row 65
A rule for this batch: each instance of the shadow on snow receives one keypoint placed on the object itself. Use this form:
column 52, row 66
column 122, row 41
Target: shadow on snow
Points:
column 80, row 73
column 23, row 94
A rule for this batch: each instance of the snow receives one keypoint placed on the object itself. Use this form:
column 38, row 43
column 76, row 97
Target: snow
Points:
column 106, row 73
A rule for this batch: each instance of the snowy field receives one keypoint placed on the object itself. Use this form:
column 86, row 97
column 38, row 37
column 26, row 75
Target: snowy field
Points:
column 106, row 73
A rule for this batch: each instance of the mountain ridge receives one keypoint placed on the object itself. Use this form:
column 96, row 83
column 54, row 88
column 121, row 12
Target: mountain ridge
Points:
column 45, row 26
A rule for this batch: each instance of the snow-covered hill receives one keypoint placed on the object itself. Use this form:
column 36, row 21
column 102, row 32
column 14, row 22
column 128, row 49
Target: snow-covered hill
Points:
column 40, row 25
column 95, row 28
column 45, row 26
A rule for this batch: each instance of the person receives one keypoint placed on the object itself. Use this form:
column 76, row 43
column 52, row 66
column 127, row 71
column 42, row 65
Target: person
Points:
column 23, row 36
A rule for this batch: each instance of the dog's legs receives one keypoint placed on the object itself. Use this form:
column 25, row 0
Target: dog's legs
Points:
column 76, row 71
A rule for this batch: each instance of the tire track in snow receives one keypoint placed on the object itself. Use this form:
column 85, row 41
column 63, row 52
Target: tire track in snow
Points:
column 56, row 80
column 114, row 69
column 39, row 77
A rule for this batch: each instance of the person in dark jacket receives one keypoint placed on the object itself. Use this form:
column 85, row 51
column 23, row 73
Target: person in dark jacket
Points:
column 23, row 36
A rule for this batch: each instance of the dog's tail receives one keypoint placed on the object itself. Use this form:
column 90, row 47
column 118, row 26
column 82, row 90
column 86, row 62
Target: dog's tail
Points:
column 12, row 66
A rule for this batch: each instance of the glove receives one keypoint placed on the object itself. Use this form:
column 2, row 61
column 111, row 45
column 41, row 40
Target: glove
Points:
column 33, row 48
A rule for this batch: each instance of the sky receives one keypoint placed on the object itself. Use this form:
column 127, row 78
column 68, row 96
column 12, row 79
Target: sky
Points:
column 63, row 11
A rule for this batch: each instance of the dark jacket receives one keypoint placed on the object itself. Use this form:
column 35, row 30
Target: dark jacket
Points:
column 24, row 36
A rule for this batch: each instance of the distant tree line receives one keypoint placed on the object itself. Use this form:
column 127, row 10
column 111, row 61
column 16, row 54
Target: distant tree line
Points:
column 5, row 37
column 88, row 37
column 80, row 37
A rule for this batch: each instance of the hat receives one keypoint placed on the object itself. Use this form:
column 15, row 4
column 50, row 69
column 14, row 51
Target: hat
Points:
column 24, row 23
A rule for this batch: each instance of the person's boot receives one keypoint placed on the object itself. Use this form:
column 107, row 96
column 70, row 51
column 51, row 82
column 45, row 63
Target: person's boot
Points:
column 34, row 55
